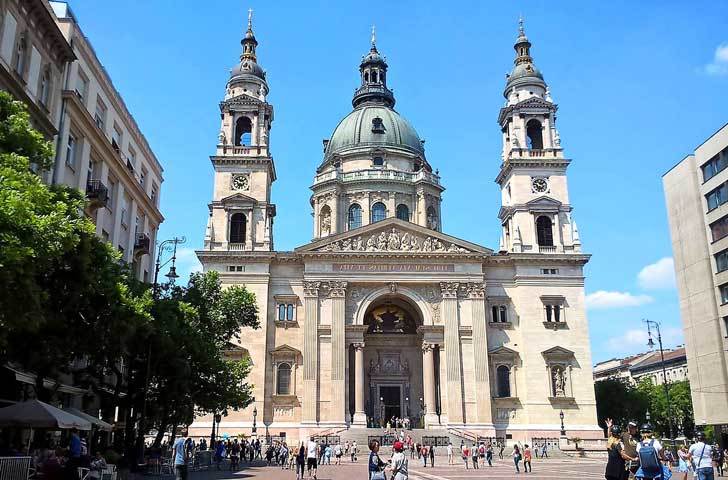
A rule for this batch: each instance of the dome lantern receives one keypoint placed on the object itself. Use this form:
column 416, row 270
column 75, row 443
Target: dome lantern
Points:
column 373, row 69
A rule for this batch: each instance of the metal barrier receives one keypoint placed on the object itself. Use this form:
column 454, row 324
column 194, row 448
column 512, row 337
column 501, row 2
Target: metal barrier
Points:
column 14, row 468
column 384, row 440
column 327, row 439
column 552, row 443
column 436, row 441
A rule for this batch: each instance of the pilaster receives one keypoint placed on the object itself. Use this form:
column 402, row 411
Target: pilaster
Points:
column 452, row 351
column 476, row 294
column 337, row 292
column 310, row 351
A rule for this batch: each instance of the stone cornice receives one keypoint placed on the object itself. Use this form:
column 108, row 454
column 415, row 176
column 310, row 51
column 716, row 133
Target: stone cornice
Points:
column 540, row 258
column 533, row 162
column 530, row 105
column 218, row 160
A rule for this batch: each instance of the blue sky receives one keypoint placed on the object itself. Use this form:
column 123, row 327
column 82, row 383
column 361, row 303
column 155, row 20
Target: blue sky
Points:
column 639, row 85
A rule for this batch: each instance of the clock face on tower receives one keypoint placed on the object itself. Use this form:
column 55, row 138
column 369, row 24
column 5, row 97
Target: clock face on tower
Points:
column 539, row 185
column 239, row 181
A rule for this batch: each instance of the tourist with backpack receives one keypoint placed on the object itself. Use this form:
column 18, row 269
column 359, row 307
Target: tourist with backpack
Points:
column 651, row 455
column 701, row 456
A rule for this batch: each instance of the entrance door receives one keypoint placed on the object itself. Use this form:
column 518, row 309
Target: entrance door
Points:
column 392, row 405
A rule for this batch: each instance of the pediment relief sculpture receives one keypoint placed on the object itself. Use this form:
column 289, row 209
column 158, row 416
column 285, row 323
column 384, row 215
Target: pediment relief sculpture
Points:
column 392, row 241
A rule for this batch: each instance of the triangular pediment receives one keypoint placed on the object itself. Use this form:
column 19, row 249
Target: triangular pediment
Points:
column 243, row 99
column 238, row 199
column 503, row 351
column 543, row 203
column 285, row 349
column 393, row 236
column 534, row 102
column 557, row 352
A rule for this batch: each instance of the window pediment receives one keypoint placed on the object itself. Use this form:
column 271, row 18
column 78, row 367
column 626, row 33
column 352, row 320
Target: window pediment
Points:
column 544, row 204
column 558, row 354
column 286, row 352
column 238, row 200
column 504, row 353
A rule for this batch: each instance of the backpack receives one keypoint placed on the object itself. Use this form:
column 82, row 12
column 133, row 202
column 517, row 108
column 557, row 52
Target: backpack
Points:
column 649, row 463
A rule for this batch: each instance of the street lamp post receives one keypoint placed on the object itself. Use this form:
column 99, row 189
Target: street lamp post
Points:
column 563, row 429
column 651, row 344
column 172, row 275
column 381, row 411
column 255, row 415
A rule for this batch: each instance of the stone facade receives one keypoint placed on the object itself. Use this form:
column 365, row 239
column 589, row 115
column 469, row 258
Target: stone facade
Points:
column 696, row 190
column 383, row 314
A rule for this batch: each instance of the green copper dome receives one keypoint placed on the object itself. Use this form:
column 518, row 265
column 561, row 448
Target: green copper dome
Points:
column 374, row 126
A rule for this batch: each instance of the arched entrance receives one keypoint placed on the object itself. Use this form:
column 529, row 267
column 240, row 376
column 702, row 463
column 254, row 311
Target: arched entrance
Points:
column 393, row 361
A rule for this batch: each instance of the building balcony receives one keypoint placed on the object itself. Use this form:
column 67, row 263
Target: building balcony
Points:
column 236, row 247
column 97, row 194
column 142, row 244
column 535, row 153
column 377, row 174
column 243, row 150
column 547, row 249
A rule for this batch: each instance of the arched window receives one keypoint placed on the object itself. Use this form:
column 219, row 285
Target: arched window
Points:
column 366, row 77
column 354, row 220
column 503, row 381
column 379, row 212
column 534, row 135
column 283, row 379
column 20, row 54
column 237, row 228
column 374, row 76
column 243, row 129
column 543, row 231
column 325, row 220
column 403, row 212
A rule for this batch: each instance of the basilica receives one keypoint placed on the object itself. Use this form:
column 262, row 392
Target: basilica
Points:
column 383, row 314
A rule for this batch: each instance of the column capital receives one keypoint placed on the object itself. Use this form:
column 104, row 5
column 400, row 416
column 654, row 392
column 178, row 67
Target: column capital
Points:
column 449, row 289
column 358, row 346
column 337, row 289
column 310, row 288
column 475, row 290
column 428, row 347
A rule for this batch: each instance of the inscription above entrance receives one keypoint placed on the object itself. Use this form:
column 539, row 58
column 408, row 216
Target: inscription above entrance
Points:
column 393, row 267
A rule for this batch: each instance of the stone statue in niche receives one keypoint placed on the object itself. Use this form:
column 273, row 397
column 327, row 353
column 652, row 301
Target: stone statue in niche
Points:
column 325, row 223
column 431, row 220
column 221, row 138
column 558, row 379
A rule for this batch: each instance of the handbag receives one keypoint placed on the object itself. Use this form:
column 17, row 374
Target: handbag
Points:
column 378, row 476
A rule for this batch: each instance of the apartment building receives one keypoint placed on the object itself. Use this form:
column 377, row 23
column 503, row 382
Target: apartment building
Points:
column 102, row 150
column 636, row 368
column 696, row 194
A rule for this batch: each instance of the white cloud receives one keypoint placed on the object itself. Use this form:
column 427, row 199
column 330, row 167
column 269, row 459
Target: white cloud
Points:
column 602, row 299
column 719, row 65
column 635, row 339
column 659, row 275
column 186, row 263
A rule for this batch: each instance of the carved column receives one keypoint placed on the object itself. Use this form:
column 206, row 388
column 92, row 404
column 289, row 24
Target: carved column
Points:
column 337, row 292
column 421, row 209
column 452, row 351
column 476, row 293
column 360, row 416
column 310, row 351
column 428, row 382
column 335, row 213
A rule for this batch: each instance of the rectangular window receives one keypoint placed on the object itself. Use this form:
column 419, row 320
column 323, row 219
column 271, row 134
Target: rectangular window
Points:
column 285, row 312
column 719, row 228
column 10, row 26
column 724, row 293
column 715, row 165
column 71, row 151
column 112, row 194
column 721, row 261
column 153, row 194
column 116, row 138
column 725, row 322
column 550, row 271
column 82, row 85
column 555, row 311
column 100, row 115
column 143, row 178
column 499, row 313
column 236, row 268
column 717, row 197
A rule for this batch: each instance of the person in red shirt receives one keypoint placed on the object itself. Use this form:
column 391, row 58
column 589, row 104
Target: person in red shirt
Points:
column 466, row 456
column 527, row 459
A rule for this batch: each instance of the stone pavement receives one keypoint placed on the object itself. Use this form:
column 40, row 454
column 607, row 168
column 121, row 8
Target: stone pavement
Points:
column 557, row 468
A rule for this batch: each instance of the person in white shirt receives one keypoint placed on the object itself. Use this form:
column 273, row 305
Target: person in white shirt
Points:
column 399, row 462
column 449, row 453
column 700, row 454
column 312, row 457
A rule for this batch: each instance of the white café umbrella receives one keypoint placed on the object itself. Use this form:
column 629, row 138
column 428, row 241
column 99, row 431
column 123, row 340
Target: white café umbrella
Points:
column 100, row 424
column 36, row 414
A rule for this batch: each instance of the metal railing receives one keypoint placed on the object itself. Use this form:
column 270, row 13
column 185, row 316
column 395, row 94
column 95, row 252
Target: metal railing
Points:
column 97, row 192
column 435, row 440
column 327, row 439
column 15, row 468
column 384, row 440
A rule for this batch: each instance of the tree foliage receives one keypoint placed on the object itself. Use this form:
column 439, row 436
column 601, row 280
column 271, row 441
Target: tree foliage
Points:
column 623, row 402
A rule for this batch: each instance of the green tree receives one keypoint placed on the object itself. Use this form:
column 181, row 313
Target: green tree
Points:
column 681, row 407
column 619, row 400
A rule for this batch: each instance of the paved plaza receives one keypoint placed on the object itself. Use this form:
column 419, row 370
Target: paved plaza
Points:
column 558, row 468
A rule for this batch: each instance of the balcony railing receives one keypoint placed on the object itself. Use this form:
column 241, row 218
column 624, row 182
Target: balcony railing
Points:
column 378, row 174
column 142, row 244
column 97, row 193
column 534, row 153
column 236, row 247
column 245, row 150
column 546, row 249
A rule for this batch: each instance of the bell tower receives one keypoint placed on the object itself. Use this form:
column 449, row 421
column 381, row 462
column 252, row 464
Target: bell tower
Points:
column 535, row 212
column 241, row 215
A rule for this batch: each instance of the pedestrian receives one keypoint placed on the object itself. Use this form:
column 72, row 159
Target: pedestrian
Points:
column 300, row 460
column 536, row 448
column 220, row 453
column 701, row 456
column 489, row 454
column 481, row 454
column 353, row 451
column 311, row 457
column 234, row 455
column 516, row 457
column 375, row 464
column 180, row 458
column 684, row 467
column 399, row 462
column 338, row 452
column 718, row 459
column 474, row 456
column 432, row 456
column 423, row 455
column 527, row 459
column 651, row 455
column 465, row 451
column 449, row 453
column 283, row 455
column 544, row 452
column 616, row 457
column 500, row 450
column 417, row 450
